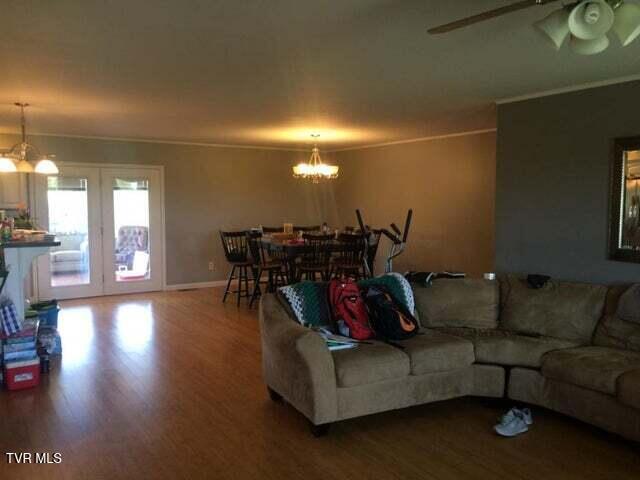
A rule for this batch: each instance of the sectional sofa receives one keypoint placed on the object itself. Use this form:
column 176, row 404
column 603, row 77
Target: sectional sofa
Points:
column 565, row 346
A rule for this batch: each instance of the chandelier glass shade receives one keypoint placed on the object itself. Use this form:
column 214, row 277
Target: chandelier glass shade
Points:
column 22, row 154
column 7, row 165
column 588, row 22
column 315, row 169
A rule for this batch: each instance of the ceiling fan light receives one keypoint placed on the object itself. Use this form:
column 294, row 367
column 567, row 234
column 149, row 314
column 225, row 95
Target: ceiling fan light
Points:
column 7, row 165
column 554, row 27
column 591, row 19
column 46, row 167
column 627, row 23
column 24, row 167
column 589, row 47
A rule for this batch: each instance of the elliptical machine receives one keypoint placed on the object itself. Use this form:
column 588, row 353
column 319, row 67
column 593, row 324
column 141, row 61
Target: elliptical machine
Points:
column 398, row 240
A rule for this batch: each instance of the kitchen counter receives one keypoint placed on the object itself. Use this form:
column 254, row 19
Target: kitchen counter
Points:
column 28, row 244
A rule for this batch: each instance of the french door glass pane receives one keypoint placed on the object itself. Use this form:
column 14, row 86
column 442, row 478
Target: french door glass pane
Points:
column 69, row 221
column 131, row 228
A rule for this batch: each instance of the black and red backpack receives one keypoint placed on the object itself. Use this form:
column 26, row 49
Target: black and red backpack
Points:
column 347, row 305
column 389, row 318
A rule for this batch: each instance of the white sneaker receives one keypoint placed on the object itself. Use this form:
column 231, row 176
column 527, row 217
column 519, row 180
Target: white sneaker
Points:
column 515, row 426
column 525, row 414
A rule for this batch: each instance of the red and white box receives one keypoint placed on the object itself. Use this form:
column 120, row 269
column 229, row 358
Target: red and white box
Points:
column 24, row 374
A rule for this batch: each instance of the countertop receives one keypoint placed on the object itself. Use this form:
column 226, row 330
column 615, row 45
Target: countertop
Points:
column 26, row 244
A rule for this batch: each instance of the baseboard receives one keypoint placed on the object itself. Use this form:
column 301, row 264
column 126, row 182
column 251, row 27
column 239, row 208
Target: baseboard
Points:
column 192, row 286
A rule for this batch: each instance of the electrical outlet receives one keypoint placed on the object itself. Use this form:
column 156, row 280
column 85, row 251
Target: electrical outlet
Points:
column 211, row 266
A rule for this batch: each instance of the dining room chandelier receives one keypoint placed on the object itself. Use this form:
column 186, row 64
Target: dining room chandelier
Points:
column 19, row 157
column 315, row 169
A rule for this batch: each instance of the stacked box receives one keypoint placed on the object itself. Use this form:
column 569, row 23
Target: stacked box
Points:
column 22, row 374
column 20, row 361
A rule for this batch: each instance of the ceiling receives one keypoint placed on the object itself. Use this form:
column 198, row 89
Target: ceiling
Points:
column 270, row 72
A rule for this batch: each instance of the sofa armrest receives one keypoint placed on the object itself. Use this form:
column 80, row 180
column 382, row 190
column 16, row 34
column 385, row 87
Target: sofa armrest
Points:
column 296, row 363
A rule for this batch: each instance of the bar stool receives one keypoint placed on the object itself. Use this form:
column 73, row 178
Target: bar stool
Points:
column 236, row 253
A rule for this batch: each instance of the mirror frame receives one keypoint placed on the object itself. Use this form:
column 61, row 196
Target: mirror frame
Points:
column 620, row 145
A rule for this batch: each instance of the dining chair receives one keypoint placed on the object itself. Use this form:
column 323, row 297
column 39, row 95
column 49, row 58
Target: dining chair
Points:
column 315, row 257
column 350, row 256
column 236, row 252
column 262, row 262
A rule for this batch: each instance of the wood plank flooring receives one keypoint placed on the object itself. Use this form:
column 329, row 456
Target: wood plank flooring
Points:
column 169, row 385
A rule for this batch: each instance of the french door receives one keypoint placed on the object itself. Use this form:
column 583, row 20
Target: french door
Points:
column 109, row 223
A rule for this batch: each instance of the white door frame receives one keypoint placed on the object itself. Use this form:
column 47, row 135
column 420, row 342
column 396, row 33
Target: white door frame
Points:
column 94, row 218
column 159, row 168
column 155, row 280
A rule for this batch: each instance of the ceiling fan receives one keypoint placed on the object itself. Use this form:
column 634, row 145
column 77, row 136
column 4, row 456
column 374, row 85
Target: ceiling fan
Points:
column 586, row 22
column 489, row 14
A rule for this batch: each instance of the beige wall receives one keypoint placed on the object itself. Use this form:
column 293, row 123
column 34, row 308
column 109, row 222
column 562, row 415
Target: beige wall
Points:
column 553, row 183
column 449, row 183
column 207, row 189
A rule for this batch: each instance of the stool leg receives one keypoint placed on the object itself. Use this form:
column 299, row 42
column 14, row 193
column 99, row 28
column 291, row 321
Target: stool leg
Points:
column 226, row 291
column 246, row 282
column 256, row 287
column 239, row 291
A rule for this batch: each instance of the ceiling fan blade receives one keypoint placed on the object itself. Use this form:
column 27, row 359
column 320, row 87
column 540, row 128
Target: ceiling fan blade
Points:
column 497, row 12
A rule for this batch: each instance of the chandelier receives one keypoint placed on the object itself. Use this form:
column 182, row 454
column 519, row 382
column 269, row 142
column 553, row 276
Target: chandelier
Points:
column 17, row 159
column 587, row 23
column 315, row 170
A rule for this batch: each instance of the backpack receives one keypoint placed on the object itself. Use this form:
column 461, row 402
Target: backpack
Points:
column 347, row 305
column 388, row 317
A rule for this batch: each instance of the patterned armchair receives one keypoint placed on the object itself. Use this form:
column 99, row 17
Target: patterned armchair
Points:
column 131, row 239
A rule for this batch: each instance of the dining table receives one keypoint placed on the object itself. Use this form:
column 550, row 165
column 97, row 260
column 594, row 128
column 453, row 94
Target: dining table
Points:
column 289, row 250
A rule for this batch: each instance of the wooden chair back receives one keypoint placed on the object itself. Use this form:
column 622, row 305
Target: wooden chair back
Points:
column 235, row 246
column 317, row 249
column 351, row 249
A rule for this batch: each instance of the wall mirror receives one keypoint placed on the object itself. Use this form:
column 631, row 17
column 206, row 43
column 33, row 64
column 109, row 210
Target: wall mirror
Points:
column 624, row 223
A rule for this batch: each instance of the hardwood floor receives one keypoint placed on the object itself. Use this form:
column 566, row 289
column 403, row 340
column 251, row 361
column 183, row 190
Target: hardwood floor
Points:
column 168, row 385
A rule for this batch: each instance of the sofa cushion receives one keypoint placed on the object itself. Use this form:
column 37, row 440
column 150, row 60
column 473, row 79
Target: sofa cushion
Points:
column 629, row 388
column 517, row 350
column 595, row 368
column 559, row 309
column 66, row 256
column 432, row 351
column 465, row 302
column 369, row 363
column 629, row 305
column 501, row 347
column 613, row 331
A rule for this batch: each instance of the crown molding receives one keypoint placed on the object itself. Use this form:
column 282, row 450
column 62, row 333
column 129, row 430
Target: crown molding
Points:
column 158, row 141
column 415, row 140
column 573, row 88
